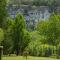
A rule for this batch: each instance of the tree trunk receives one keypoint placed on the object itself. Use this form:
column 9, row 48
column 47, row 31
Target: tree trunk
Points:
column 1, row 52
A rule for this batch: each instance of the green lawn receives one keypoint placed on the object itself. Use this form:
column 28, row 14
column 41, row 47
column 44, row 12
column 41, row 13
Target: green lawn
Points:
column 29, row 58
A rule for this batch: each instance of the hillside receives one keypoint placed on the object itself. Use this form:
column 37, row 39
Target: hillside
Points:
column 37, row 2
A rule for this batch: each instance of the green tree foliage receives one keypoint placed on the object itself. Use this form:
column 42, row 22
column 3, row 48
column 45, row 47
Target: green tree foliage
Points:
column 46, row 40
column 27, row 39
column 51, row 3
column 7, row 43
column 16, row 36
column 1, row 35
column 50, row 29
column 38, row 2
column 3, row 12
column 46, row 2
column 1, row 39
column 35, row 36
column 36, row 48
column 19, row 35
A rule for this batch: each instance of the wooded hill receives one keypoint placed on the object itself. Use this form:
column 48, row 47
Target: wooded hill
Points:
column 37, row 2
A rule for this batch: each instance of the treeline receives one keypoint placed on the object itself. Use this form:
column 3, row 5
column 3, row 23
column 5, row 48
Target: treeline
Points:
column 37, row 2
column 52, row 4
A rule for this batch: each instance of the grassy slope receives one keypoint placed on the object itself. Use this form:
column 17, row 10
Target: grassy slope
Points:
column 29, row 58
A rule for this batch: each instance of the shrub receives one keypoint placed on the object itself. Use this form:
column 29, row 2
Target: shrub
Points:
column 37, row 49
column 34, row 48
column 47, row 50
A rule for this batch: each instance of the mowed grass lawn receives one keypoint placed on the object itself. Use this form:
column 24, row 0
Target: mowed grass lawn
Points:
column 29, row 58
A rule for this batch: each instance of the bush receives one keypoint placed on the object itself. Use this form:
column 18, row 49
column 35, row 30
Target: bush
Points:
column 34, row 47
column 47, row 50
column 37, row 49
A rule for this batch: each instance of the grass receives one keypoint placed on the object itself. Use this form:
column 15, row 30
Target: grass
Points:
column 29, row 58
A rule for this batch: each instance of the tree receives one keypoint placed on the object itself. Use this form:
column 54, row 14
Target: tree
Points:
column 1, row 36
column 1, row 39
column 3, row 12
column 50, row 29
column 7, row 43
column 18, row 33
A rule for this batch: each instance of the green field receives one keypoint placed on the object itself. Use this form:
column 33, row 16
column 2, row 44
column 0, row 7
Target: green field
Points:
column 29, row 58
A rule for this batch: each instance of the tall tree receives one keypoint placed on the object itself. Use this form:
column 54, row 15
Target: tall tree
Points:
column 3, row 12
column 7, row 43
column 18, row 33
